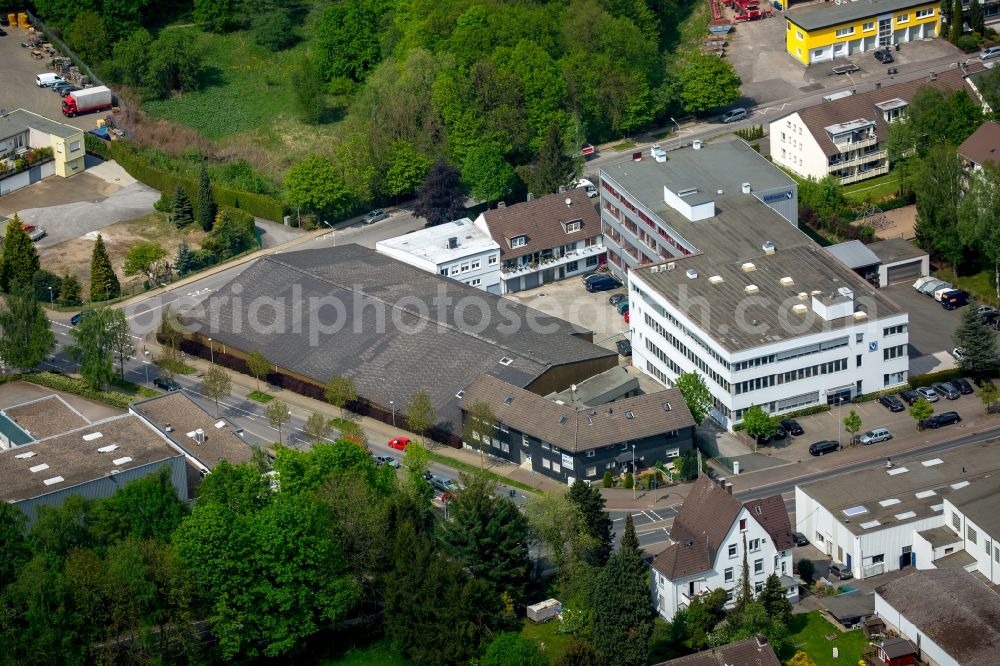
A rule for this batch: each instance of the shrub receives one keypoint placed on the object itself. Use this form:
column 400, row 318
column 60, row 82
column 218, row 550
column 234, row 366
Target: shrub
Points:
column 808, row 411
column 916, row 381
column 967, row 43
column 165, row 204
column 806, row 569
column 75, row 386
column 608, row 480
column 629, row 480
column 274, row 31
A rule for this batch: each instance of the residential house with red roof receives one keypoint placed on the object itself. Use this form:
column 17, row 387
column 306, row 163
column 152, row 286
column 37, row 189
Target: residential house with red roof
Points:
column 712, row 535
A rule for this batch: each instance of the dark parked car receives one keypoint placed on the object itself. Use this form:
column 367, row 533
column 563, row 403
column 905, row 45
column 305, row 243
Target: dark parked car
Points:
column 892, row 403
column 779, row 434
column 800, row 539
column 840, row 572
column 942, row 419
column 64, row 91
column 166, row 384
column 792, row 427
column 80, row 316
column 602, row 283
column 616, row 299
column 884, row 56
column 624, row 347
column 823, row 447
column 946, row 390
column 622, row 307
column 963, row 386
column 909, row 396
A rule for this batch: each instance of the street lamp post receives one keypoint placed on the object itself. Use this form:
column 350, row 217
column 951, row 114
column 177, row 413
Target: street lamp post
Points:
column 51, row 297
column 392, row 406
column 211, row 350
column 145, row 363
column 633, row 472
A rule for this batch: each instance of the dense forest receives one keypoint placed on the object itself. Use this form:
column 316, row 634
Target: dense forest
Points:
column 391, row 86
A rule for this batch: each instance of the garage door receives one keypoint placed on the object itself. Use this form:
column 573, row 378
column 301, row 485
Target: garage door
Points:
column 903, row 272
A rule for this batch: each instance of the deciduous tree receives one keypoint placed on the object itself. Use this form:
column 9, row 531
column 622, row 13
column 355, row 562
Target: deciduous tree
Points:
column 440, row 198
column 555, row 165
column 120, row 338
column 145, row 257
column 258, row 365
column 147, row 508
column 696, row 395
column 347, row 39
column 69, row 290
column 104, row 283
column 420, row 414
column 852, row 425
column 340, row 392
column 277, row 415
column 407, row 169
column 86, row 35
column 486, row 173
column 317, row 427
column 757, row 423
column 314, row 185
column 557, row 524
column 25, row 337
column 708, row 82
column 216, row 385
column 921, row 410
column 92, row 348
column 774, row 600
column 478, row 428
column 977, row 19
column 215, row 15
column 988, row 394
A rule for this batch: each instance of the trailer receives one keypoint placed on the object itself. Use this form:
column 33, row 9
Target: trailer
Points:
column 720, row 26
column 544, row 611
column 845, row 69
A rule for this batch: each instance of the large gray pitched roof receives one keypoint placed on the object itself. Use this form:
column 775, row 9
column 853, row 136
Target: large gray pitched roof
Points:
column 743, row 653
column 581, row 428
column 813, row 17
column 394, row 329
column 951, row 607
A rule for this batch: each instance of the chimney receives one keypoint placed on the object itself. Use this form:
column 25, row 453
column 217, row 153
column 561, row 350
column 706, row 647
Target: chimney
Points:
column 569, row 202
column 452, row 242
column 722, row 482
column 562, row 188
column 729, row 488
column 501, row 204
column 531, row 197
column 878, row 85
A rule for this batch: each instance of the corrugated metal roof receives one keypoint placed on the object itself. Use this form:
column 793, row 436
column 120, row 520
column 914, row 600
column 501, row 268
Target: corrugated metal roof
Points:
column 853, row 254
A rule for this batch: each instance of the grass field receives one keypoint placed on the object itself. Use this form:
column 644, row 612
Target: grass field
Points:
column 874, row 189
column 809, row 634
column 553, row 644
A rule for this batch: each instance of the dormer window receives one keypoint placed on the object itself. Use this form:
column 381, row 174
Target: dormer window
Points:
column 518, row 241
column 573, row 226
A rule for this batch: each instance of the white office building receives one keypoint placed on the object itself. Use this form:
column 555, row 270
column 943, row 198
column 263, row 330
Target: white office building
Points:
column 459, row 250
column 751, row 303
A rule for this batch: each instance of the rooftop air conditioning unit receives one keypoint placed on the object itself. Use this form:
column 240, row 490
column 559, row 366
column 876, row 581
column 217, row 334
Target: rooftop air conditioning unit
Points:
column 691, row 274
column 658, row 153
column 769, row 247
column 799, row 308
column 671, row 265
column 746, row 188
column 199, row 436
column 452, row 243
column 786, row 281
column 803, row 296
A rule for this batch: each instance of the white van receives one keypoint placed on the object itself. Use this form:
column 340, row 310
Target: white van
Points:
column 48, row 79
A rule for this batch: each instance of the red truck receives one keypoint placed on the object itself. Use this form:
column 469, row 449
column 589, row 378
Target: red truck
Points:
column 98, row 98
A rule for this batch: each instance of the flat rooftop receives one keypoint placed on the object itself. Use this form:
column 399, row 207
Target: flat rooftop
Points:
column 178, row 418
column 742, row 223
column 431, row 244
column 727, row 309
column 20, row 120
column 46, row 417
column 63, row 461
column 825, row 15
column 895, row 249
column 877, row 498
column 853, row 254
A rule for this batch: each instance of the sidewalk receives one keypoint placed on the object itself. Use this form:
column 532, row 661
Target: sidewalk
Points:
column 377, row 431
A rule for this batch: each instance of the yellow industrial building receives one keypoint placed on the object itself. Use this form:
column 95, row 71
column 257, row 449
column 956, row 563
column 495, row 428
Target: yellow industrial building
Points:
column 831, row 30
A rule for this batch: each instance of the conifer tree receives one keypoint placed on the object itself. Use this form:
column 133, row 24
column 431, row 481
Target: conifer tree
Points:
column 69, row 290
column 20, row 258
column 206, row 200
column 623, row 616
column 25, row 336
column 104, row 283
column 183, row 209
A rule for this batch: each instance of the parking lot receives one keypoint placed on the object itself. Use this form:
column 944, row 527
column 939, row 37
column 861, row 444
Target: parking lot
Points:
column 931, row 326
column 569, row 300
column 757, row 52
column 17, row 82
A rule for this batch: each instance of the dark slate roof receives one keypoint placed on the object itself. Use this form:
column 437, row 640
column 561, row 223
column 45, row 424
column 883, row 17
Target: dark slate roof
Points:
column 983, row 146
column 772, row 515
column 814, row 17
column 850, row 605
column 542, row 221
column 685, row 557
column 394, row 329
column 894, row 648
column 580, row 428
column 964, row 618
column 862, row 105
column 750, row 652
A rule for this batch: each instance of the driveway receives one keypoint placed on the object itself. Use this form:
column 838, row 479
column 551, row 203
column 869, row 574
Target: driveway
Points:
column 931, row 327
column 74, row 220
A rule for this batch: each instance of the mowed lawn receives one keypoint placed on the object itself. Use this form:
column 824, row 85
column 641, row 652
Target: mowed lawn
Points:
column 809, row 634
column 245, row 87
column 552, row 643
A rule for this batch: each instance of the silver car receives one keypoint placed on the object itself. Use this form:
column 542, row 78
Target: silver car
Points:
column 875, row 436
column 375, row 216
column 990, row 53
column 928, row 394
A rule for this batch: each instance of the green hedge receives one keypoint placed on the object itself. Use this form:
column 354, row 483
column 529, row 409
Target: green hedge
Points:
column 75, row 386
column 96, row 146
column 916, row 381
column 258, row 205
column 808, row 411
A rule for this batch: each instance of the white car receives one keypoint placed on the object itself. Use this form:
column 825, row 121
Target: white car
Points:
column 586, row 185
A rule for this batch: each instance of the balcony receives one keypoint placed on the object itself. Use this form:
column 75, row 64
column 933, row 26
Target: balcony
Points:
column 856, row 143
column 860, row 159
column 864, row 175
column 545, row 264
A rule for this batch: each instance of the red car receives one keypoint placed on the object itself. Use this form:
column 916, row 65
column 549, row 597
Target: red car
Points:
column 626, row 317
column 398, row 443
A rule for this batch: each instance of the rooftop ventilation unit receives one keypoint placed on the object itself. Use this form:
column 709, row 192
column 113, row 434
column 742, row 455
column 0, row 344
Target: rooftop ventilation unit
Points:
column 658, row 153
column 220, row 424
column 745, row 188
column 452, row 243
column 751, row 289
column 799, row 308
column 719, row 192
column 860, row 314
column 92, row 436
column 816, row 292
column 687, row 191
column 107, row 449
column 199, row 436
column 531, row 197
column 121, row 461
column 786, row 281
column 38, row 468
column 803, row 296
column 54, row 480
column 696, row 144
column 716, row 279
column 691, row 273
column 562, row 188
column 748, row 267
column 671, row 265
column 769, row 247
